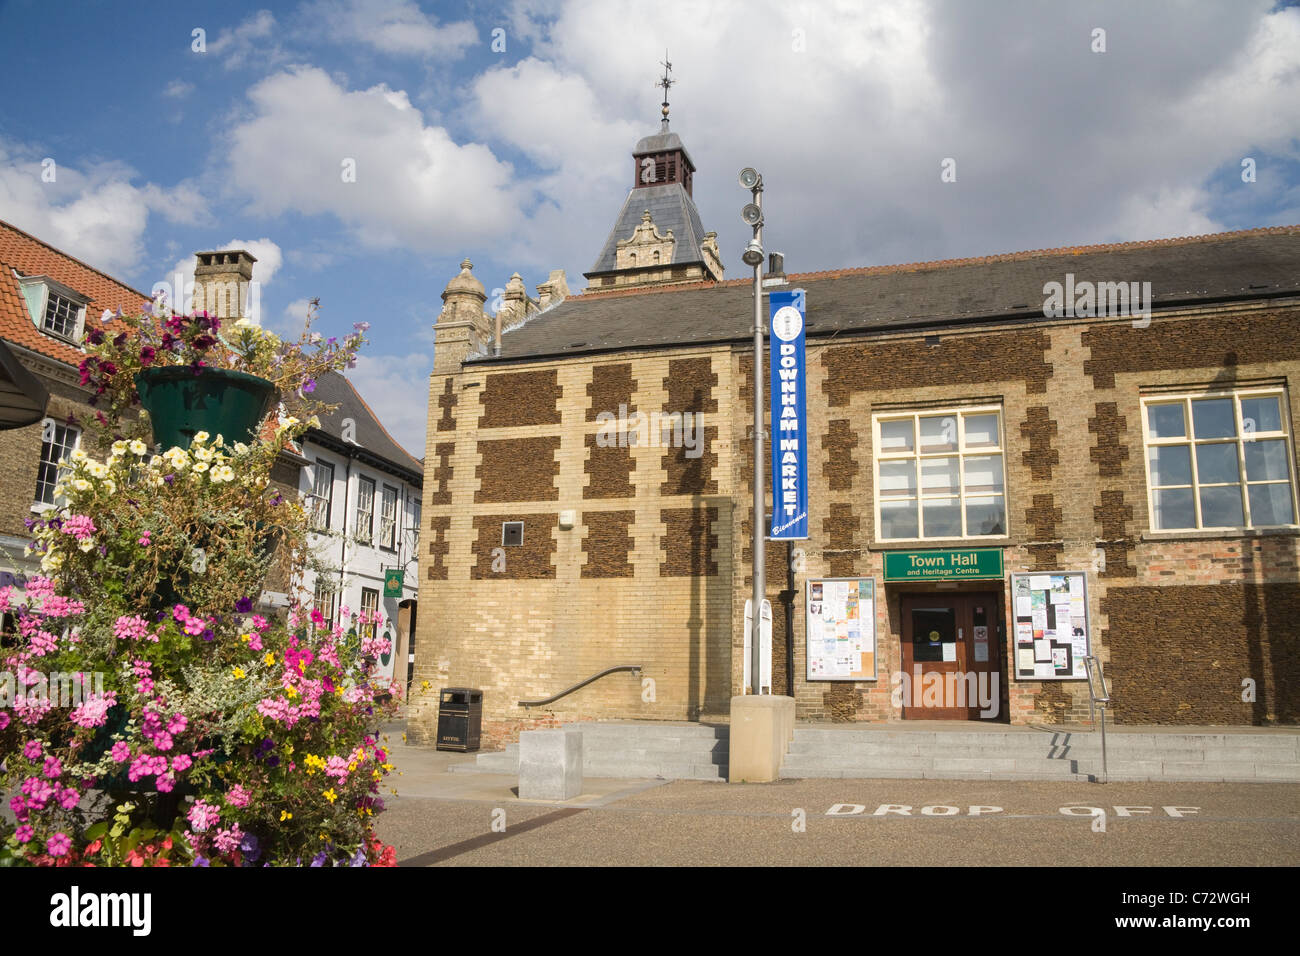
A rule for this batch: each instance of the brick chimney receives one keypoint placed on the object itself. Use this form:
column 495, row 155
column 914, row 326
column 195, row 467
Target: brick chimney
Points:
column 223, row 285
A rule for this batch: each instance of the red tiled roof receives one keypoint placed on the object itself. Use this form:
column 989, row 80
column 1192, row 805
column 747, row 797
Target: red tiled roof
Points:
column 29, row 256
column 590, row 293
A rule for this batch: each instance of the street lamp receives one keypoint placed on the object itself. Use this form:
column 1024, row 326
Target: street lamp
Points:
column 752, row 214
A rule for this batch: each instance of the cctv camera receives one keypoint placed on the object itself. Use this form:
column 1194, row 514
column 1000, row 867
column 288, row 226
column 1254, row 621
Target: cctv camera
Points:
column 751, row 214
column 749, row 177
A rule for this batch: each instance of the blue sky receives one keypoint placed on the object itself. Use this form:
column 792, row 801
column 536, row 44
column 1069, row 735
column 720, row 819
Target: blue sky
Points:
column 502, row 131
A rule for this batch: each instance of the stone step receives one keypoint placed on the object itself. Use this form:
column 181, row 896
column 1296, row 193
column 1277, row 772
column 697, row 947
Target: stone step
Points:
column 616, row 728
column 846, row 738
column 1187, row 754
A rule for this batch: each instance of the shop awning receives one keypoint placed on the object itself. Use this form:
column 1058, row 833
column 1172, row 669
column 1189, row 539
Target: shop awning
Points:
column 22, row 396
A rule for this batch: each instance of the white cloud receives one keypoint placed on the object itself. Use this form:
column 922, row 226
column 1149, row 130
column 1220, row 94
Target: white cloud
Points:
column 397, row 27
column 413, row 185
column 396, row 387
column 848, row 109
column 93, row 211
column 252, row 42
column 178, row 89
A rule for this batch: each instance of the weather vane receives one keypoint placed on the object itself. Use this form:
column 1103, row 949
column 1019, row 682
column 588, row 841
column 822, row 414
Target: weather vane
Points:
column 665, row 83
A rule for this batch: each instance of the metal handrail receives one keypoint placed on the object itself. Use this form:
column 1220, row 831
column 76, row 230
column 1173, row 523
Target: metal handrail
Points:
column 1094, row 701
column 634, row 668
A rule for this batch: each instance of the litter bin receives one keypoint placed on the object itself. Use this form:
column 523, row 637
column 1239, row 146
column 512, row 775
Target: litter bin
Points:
column 460, row 718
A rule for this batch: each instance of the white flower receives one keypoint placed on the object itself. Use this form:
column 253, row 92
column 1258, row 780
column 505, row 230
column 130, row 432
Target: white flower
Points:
column 119, row 447
column 223, row 473
column 86, row 545
column 81, row 484
column 51, row 561
column 200, row 437
column 79, row 455
column 200, row 466
column 111, row 485
column 138, row 447
column 314, row 422
column 203, row 454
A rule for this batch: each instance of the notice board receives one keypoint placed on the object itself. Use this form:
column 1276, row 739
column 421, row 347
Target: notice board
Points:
column 840, row 628
column 1052, row 633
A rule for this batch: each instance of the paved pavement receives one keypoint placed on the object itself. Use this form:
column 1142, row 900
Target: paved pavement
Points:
column 440, row 818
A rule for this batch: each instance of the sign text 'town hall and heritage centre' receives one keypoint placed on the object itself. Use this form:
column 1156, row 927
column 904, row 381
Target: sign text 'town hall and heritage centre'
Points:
column 789, row 416
column 949, row 564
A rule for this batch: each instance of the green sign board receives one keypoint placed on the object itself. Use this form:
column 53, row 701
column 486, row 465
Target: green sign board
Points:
column 393, row 583
column 949, row 564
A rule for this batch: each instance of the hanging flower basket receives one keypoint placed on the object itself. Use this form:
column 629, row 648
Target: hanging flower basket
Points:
column 182, row 403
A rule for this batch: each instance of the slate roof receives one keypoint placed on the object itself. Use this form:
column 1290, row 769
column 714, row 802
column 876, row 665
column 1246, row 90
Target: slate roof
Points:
column 671, row 207
column 373, row 443
column 1256, row 263
column 27, row 255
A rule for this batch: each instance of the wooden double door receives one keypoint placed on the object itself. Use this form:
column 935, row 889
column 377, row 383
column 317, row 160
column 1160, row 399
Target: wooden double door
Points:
column 958, row 639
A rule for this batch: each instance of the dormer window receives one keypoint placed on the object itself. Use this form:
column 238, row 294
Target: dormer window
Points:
column 61, row 315
column 54, row 308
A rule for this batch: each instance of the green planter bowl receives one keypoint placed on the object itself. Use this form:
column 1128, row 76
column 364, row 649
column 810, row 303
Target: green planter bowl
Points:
column 217, row 401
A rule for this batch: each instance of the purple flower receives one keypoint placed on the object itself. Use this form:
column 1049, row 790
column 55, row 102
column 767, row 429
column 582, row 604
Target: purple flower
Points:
column 318, row 859
column 208, row 634
column 359, row 859
column 250, row 848
column 96, row 337
column 201, row 861
column 169, row 478
column 147, row 354
column 273, row 761
column 309, row 386
column 120, row 340
column 244, row 605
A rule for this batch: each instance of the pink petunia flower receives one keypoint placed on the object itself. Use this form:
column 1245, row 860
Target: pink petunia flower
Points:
column 24, row 833
column 32, row 750
column 181, row 763
column 58, row 845
column 121, row 752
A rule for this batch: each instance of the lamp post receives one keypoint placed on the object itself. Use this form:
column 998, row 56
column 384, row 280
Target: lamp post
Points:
column 752, row 214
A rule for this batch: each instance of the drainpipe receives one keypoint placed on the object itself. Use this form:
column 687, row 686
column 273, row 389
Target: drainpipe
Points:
column 496, row 333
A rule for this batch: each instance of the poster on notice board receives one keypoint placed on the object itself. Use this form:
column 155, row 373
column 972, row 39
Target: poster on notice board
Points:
column 1052, row 632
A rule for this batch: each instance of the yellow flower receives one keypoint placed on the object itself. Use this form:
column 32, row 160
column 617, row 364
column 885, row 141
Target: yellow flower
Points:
column 269, row 659
column 245, row 637
column 239, row 673
column 288, row 748
column 285, row 815
column 292, row 692
column 330, row 795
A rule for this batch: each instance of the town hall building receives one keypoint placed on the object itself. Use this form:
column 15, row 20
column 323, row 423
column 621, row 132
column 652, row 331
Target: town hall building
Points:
column 1007, row 474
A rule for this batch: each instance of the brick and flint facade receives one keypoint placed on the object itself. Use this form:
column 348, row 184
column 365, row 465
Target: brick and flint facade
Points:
column 638, row 552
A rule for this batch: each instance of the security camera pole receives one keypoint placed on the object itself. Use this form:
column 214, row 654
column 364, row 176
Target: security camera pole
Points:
column 753, row 256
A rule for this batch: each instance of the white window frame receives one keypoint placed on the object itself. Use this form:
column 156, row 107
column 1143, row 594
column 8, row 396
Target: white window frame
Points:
column 47, row 426
column 322, row 505
column 369, row 630
column 960, row 412
column 1189, row 439
column 325, row 600
column 388, row 538
column 37, row 307
column 366, row 530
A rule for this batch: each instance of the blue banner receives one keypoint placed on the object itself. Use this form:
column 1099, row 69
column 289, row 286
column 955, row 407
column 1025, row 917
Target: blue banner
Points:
column 789, row 415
